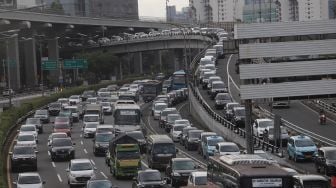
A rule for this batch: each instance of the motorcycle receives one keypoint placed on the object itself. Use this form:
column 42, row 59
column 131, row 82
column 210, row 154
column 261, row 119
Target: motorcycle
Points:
column 323, row 119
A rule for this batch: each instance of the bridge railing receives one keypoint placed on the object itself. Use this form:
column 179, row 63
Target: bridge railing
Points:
column 325, row 106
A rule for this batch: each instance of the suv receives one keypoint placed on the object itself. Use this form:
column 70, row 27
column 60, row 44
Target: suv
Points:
column 227, row 148
column 62, row 148
column 325, row 160
column 43, row 115
column 23, row 156
column 184, row 134
column 238, row 116
column 260, row 125
column 228, row 110
column 192, row 139
column 202, row 139
column 36, row 122
column 179, row 170
column 74, row 99
column 301, row 147
column 164, row 114
column 101, row 142
column 54, row 108
column 209, row 145
column 217, row 87
column 29, row 179
column 80, row 171
column 170, row 119
column 26, row 139
column 148, row 178
column 221, row 100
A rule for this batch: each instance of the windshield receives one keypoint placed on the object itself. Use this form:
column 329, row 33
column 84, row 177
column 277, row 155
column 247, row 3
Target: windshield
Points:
column 173, row 118
column 208, row 75
column 74, row 97
column 62, row 119
column 315, row 184
column 91, row 100
column 179, row 79
column 127, row 117
column 65, row 112
column 162, row 148
column 91, row 125
column 63, row 100
column 23, row 151
column 91, row 118
column 41, row 112
column 218, row 85
column 150, row 176
column 126, row 97
column 160, row 107
column 55, row 105
column 136, row 135
column 184, row 165
column 331, row 155
column 201, row 180
column 27, row 128
column 61, row 142
column 194, row 134
column 185, row 122
column 178, row 128
column 149, row 89
column 223, row 97
column 105, row 104
column 213, row 142
column 59, row 136
column 240, row 112
column 62, row 126
column 104, row 137
column 264, row 124
column 26, row 138
column 271, row 130
column 304, row 143
column 229, row 148
column 165, row 113
column 166, row 83
column 29, row 180
column 81, row 166
column 100, row 184
column 33, row 121
column 128, row 155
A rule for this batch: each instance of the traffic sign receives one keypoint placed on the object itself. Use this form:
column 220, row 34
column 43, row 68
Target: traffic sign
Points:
column 75, row 64
column 49, row 65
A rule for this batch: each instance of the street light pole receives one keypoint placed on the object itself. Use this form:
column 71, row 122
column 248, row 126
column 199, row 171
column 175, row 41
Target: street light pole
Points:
column 4, row 70
column 9, row 78
column 40, row 49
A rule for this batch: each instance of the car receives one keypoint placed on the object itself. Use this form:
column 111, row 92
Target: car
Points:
column 221, row 100
column 164, row 114
column 66, row 112
column 112, row 87
column 200, row 179
column 74, row 111
column 92, row 100
column 29, row 180
column 80, row 171
column 87, row 94
column 99, row 184
column 325, row 161
column 43, row 115
column 62, row 126
column 209, row 145
column 62, row 148
column 28, row 129
column 184, row 134
column 179, row 170
column 260, row 125
column 56, row 135
column 54, row 108
column 63, row 101
column 7, row 92
column 176, row 131
column 89, row 129
column 238, row 117
column 26, row 139
column 158, row 107
column 91, row 118
column 228, row 108
column 74, row 99
column 203, row 139
column 170, row 119
column 301, row 147
column 217, row 87
column 281, row 104
column 107, row 108
column 227, row 148
column 192, row 139
column 148, row 178
column 101, row 142
column 37, row 122
column 23, row 157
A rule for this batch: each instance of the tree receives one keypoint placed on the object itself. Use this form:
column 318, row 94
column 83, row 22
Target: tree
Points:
column 56, row 6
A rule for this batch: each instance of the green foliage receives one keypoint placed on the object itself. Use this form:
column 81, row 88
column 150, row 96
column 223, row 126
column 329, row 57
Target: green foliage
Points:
column 56, row 6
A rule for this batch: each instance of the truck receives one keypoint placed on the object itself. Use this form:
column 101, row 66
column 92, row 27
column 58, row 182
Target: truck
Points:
column 151, row 89
column 123, row 156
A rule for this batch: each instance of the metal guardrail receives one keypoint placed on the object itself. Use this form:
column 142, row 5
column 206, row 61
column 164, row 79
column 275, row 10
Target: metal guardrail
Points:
column 325, row 106
column 321, row 139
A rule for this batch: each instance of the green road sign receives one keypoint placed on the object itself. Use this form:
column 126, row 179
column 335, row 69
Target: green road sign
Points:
column 49, row 65
column 75, row 64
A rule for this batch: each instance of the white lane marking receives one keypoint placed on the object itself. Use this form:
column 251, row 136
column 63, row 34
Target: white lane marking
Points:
column 228, row 73
column 93, row 162
column 81, row 142
column 144, row 164
column 53, row 164
column 85, row 151
column 102, row 173
column 59, row 178
column 178, row 109
column 49, row 153
column 80, row 135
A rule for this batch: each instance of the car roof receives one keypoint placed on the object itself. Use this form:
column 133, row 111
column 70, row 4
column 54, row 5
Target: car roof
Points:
column 300, row 137
column 329, row 148
column 218, row 82
column 199, row 173
column 181, row 159
column 148, row 170
column 310, row 177
column 226, row 144
column 263, row 119
column 80, row 160
column 29, row 174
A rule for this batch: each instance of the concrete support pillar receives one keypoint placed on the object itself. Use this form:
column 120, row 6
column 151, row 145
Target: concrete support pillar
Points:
column 138, row 64
column 30, row 63
column 53, row 54
column 13, row 63
column 178, row 59
column 120, row 69
column 158, row 59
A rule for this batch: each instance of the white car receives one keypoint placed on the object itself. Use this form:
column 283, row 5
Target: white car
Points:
column 75, row 99
column 158, row 107
column 227, row 148
column 29, row 180
column 198, row 179
column 74, row 112
column 176, row 131
column 26, row 139
column 56, row 135
column 90, row 129
column 63, row 101
column 134, row 88
column 28, row 129
column 80, row 171
column 183, row 122
column 92, row 100
column 107, row 107
column 260, row 125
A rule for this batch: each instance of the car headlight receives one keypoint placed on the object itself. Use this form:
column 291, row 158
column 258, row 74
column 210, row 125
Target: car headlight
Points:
column 176, row 174
column 298, row 152
column 97, row 145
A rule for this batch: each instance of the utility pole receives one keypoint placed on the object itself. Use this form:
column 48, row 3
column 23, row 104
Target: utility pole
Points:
column 40, row 49
column 4, row 70
column 249, row 127
column 9, row 77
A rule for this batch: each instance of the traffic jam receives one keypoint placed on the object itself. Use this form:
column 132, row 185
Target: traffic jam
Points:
column 139, row 132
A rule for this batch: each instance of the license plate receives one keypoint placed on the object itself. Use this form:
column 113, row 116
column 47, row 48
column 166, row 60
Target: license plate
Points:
column 308, row 156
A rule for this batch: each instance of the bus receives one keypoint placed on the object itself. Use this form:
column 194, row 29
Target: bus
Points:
column 127, row 117
column 247, row 171
column 179, row 80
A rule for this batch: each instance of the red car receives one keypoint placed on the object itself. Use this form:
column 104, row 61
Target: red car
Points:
column 62, row 124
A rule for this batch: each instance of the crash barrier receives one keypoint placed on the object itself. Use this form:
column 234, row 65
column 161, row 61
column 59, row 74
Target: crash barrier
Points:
column 325, row 106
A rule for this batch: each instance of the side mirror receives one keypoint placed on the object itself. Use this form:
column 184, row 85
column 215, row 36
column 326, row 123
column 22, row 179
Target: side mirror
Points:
column 15, row 140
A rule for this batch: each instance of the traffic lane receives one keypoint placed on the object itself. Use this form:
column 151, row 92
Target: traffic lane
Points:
column 306, row 118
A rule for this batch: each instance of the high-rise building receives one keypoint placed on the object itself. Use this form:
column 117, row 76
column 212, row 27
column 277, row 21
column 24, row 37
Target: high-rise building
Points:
column 183, row 16
column 126, row 9
column 332, row 9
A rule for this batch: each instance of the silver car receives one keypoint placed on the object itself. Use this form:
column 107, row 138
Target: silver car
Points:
column 28, row 180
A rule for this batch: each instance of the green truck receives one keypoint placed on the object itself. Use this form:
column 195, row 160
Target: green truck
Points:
column 124, row 159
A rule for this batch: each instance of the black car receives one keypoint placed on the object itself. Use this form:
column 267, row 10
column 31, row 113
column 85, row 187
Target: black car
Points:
column 43, row 115
column 192, row 139
column 148, row 178
column 101, row 142
column 179, row 170
column 54, row 108
column 139, row 136
column 87, row 94
column 62, row 148
column 221, row 100
column 238, row 117
column 37, row 122
column 23, row 156
column 325, row 161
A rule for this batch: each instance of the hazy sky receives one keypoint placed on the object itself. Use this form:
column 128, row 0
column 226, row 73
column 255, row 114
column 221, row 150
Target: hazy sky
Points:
column 157, row 8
